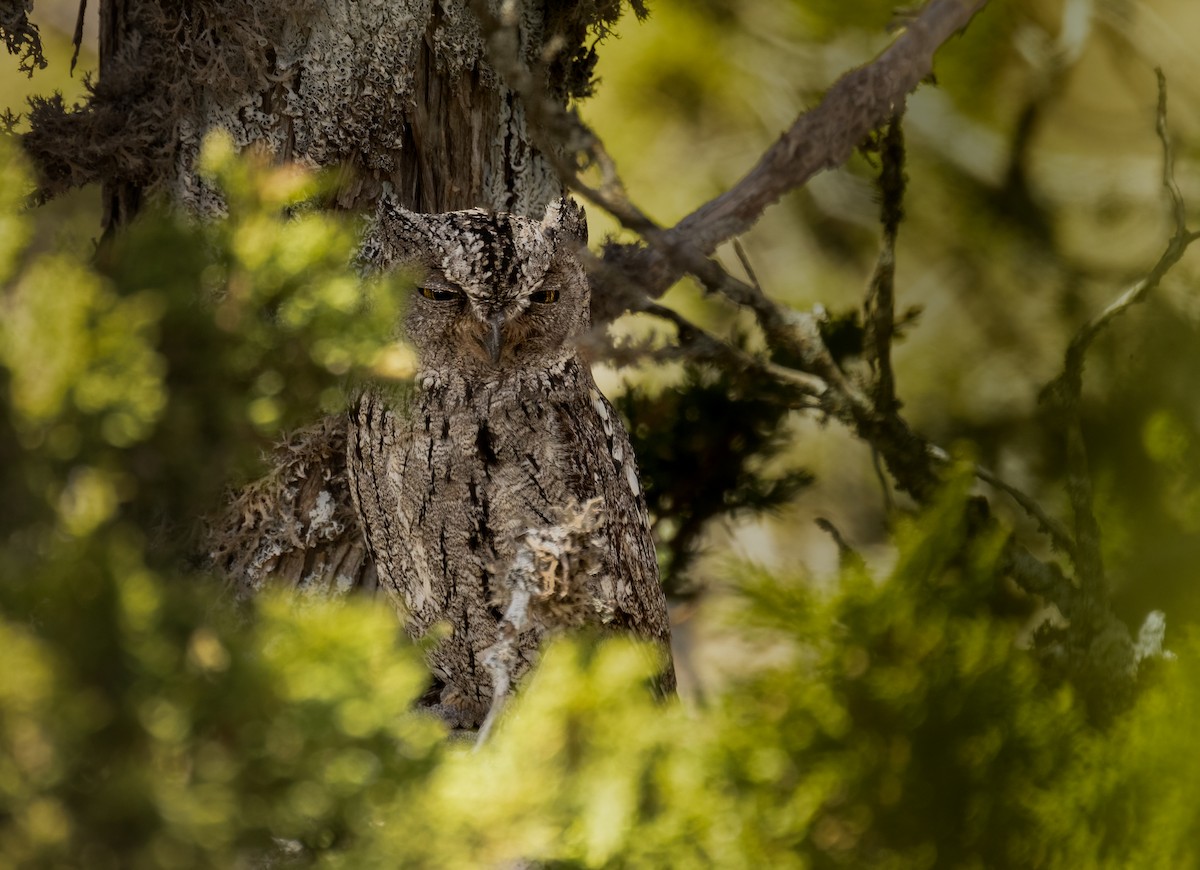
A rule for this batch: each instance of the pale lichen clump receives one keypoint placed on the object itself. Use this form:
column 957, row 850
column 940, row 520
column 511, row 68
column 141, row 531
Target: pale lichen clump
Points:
column 555, row 582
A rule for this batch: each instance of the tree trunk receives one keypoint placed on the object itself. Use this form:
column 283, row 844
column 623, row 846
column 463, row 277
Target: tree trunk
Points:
column 398, row 96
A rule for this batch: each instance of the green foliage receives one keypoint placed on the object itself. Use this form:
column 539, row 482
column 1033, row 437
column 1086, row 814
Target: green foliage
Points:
column 1143, row 777
column 140, row 726
column 143, row 726
column 909, row 730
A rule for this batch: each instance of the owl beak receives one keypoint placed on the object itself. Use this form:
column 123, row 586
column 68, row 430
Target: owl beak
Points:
column 493, row 341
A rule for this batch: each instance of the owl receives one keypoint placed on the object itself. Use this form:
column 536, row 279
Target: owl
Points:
column 503, row 441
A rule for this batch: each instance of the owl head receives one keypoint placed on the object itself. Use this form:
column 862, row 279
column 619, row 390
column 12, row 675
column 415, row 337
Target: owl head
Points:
column 494, row 291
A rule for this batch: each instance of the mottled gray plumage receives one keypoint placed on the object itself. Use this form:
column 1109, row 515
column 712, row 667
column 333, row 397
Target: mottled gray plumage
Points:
column 503, row 433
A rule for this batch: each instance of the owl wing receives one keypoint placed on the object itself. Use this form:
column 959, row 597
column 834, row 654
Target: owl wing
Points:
column 380, row 447
column 606, row 467
column 372, row 435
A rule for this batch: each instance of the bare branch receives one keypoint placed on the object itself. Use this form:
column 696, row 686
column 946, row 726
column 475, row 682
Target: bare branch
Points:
column 889, row 503
column 1097, row 647
column 793, row 334
column 822, row 138
column 1178, row 210
column 1048, row 525
column 744, row 259
column 77, row 36
column 1176, row 247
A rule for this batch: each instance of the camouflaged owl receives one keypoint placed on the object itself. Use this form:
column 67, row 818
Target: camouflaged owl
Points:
column 503, row 440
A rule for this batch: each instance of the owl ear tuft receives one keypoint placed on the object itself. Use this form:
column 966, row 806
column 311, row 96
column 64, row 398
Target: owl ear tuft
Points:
column 396, row 236
column 566, row 218
column 402, row 225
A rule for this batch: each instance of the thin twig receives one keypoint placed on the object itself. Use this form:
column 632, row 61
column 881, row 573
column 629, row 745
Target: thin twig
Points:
column 1176, row 247
column 1178, row 208
column 77, row 37
column 889, row 504
column 744, row 259
column 1065, row 391
column 879, row 308
column 796, row 337
column 710, row 348
column 1047, row 524
column 849, row 559
column 1098, row 644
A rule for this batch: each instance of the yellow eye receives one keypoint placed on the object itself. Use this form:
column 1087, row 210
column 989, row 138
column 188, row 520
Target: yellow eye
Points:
column 544, row 297
column 438, row 295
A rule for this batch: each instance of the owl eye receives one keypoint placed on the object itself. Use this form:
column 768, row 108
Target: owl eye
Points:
column 544, row 297
column 439, row 295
